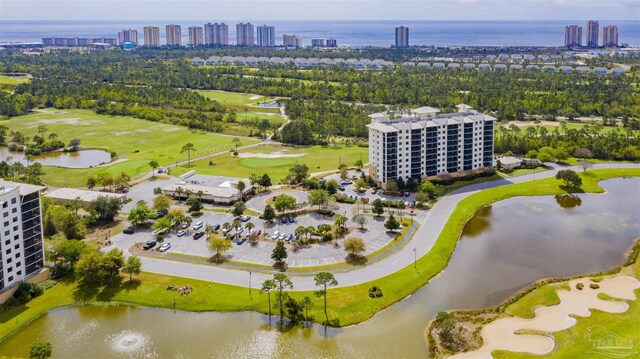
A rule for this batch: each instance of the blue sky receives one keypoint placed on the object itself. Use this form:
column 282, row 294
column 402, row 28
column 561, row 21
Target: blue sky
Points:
column 319, row 10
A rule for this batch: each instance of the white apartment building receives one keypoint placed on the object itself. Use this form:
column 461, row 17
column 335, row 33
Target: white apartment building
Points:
column 422, row 144
column 196, row 36
column 266, row 36
column 129, row 35
column 151, row 36
column 216, row 34
column 21, row 241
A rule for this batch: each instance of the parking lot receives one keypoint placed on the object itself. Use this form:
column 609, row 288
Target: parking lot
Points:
column 349, row 189
column 375, row 237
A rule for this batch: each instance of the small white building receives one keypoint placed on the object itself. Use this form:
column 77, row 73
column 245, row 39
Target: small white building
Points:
column 197, row 61
column 509, row 162
column 215, row 189
column 66, row 195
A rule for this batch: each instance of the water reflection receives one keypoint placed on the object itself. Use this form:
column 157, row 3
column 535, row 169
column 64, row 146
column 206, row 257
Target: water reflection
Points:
column 568, row 200
column 79, row 159
column 479, row 223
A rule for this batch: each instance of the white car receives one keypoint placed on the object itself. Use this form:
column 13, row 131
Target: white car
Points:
column 181, row 233
column 197, row 226
column 282, row 236
column 165, row 247
column 275, row 235
column 184, row 225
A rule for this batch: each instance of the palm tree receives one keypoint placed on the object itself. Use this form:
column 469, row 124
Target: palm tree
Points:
column 237, row 143
column 178, row 192
column 249, row 226
column 310, row 230
column 188, row 148
column 154, row 164
column 241, row 186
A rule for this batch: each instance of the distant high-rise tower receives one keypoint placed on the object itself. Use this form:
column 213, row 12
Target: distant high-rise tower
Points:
column 402, row 36
column 592, row 33
column 216, row 34
column 151, row 36
column 572, row 36
column 291, row 41
column 610, row 36
column 331, row 42
column 174, row 35
column 245, row 35
column 266, row 36
column 196, row 36
column 130, row 35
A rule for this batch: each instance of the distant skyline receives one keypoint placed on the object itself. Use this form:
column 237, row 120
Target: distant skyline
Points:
column 243, row 10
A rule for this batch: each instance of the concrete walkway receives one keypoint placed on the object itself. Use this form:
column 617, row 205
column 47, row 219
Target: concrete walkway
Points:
column 430, row 227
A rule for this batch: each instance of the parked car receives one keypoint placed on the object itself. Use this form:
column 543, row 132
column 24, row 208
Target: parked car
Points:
column 341, row 187
column 165, row 247
column 241, row 240
column 407, row 194
column 289, row 237
column 197, row 235
column 354, row 177
column 150, row 244
column 128, row 230
column 321, row 181
column 227, row 230
column 184, row 225
column 259, row 232
column 181, row 233
column 215, row 227
column 284, row 220
column 125, row 190
column 346, row 181
column 245, row 218
column 282, row 236
column 275, row 235
column 160, row 214
column 292, row 219
column 198, row 225
column 374, row 191
column 239, row 230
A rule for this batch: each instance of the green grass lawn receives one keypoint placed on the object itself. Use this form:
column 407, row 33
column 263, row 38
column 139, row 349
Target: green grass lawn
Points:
column 121, row 134
column 244, row 106
column 347, row 305
column 317, row 158
column 13, row 80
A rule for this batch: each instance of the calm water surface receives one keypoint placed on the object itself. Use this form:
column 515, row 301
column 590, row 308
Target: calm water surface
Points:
column 504, row 247
column 79, row 159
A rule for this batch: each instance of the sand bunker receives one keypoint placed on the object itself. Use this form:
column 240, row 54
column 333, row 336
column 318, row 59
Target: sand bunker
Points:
column 278, row 154
column 254, row 97
column 500, row 334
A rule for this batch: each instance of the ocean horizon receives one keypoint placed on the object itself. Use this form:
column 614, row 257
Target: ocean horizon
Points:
column 358, row 33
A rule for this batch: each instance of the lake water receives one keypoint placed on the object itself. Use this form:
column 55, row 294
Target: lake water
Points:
column 504, row 248
column 354, row 33
column 79, row 159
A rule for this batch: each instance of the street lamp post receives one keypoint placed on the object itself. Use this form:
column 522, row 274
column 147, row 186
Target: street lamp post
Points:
column 415, row 258
column 250, row 296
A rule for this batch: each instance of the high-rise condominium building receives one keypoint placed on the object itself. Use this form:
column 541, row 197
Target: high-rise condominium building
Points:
column 151, row 36
column 421, row 144
column 317, row 42
column 266, row 36
column 130, row 35
column 245, row 35
column 331, row 42
column 572, row 36
column 291, row 41
column 402, row 36
column 174, row 35
column 21, row 241
column 196, row 36
column 592, row 33
column 216, row 34
column 610, row 36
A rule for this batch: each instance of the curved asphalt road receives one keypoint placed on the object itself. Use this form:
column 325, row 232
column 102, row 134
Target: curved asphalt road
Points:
column 422, row 241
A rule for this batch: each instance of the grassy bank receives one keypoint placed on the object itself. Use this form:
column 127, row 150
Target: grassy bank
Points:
column 347, row 305
column 137, row 141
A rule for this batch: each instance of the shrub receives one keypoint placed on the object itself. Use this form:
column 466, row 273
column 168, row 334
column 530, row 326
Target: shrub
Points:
column 594, row 286
column 344, row 199
column 375, row 292
column 327, row 237
column 579, row 286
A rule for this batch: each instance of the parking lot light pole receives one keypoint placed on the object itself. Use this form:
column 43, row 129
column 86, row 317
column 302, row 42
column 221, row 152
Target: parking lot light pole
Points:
column 415, row 258
column 250, row 297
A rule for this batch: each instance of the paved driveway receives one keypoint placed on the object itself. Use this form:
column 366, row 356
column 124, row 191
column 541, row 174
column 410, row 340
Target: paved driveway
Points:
column 144, row 191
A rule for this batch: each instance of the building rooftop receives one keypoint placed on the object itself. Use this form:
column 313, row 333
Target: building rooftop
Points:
column 25, row 188
column 70, row 194
column 509, row 160
column 217, row 186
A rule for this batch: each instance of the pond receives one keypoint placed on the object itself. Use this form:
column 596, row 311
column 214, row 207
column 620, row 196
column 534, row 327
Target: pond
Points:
column 79, row 159
column 504, row 248
column 269, row 104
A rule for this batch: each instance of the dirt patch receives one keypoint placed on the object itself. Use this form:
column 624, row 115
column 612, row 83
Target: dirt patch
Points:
column 114, row 162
